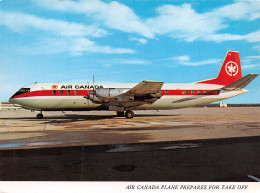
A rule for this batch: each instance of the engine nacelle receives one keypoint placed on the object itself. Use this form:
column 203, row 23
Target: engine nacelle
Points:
column 110, row 92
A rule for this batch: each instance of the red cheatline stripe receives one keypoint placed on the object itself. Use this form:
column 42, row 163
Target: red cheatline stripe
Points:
column 85, row 92
column 50, row 93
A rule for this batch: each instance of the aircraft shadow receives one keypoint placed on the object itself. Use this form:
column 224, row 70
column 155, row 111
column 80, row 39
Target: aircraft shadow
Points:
column 78, row 118
column 75, row 117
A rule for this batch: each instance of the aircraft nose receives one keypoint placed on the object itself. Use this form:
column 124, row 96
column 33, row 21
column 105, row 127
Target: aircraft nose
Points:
column 11, row 100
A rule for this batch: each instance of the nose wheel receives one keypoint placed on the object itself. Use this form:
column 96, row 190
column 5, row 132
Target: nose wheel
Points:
column 129, row 114
column 39, row 116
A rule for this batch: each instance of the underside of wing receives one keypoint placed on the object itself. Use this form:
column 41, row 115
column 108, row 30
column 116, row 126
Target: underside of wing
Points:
column 143, row 93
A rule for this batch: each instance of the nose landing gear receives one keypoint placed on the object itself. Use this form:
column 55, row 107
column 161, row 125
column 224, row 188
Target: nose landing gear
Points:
column 39, row 116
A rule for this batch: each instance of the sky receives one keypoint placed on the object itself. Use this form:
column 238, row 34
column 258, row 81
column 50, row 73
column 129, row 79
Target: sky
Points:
column 126, row 41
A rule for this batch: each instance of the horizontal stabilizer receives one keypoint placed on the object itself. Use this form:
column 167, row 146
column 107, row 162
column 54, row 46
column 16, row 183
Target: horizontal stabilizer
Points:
column 240, row 83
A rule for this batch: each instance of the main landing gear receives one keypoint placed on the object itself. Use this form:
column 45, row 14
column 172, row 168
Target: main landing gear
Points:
column 128, row 114
column 120, row 114
column 39, row 116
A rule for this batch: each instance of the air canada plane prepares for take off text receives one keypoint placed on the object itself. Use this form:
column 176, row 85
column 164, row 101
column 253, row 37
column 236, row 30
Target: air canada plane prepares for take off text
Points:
column 126, row 97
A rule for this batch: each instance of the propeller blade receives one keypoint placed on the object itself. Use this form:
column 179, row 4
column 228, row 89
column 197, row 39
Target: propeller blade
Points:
column 93, row 88
column 93, row 82
column 88, row 93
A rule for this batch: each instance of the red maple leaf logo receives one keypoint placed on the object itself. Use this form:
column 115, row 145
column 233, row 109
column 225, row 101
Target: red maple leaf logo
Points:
column 231, row 68
column 54, row 86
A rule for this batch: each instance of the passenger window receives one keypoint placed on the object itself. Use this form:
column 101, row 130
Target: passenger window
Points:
column 186, row 92
column 61, row 92
column 166, row 91
column 192, row 92
column 204, row 92
column 76, row 92
column 198, row 91
column 68, row 92
column 54, row 92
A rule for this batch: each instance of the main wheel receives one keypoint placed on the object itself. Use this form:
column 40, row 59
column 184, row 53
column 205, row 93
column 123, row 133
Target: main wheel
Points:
column 120, row 113
column 39, row 116
column 129, row 114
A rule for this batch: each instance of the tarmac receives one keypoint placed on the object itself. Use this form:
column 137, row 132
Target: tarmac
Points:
column 193, row 144
column 20, row 129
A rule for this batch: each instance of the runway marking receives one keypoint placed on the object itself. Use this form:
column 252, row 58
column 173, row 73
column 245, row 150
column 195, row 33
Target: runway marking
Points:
column 254, row 178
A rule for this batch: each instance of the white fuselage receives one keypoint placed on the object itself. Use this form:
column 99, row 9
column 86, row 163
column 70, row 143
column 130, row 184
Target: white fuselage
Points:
column 70, row 96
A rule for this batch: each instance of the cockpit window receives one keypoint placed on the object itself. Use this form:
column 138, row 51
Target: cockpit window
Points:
column 22, row 91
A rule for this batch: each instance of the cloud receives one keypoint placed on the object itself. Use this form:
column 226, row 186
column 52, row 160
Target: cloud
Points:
column 123, row 61
column 80, row 45
column 241, row 9
column 223, row 37
column 253, row 57
column 185, row 60
column 250, row 62
column 22, row 22
column 250, row 66
column 133, row 61
column 76, row 46
column 62, row 36
column 257, row 47
column 177, row 21
column 112, row 14
column 140, row 40
column 253, row 37
column 181, row 59
column 183, row 22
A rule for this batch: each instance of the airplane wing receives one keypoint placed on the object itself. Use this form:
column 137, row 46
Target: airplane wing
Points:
column 145, row 87
column 143, row 93
column 240, row 83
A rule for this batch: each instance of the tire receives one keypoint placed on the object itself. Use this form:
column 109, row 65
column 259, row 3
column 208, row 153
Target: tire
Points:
column 39, row 116
column 129, row 114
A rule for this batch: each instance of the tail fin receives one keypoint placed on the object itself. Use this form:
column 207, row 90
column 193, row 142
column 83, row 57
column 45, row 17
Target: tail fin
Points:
column 229, row 72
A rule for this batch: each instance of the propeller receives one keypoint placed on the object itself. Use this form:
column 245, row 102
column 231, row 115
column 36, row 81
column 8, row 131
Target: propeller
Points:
column 94, row 91
column 88, row 93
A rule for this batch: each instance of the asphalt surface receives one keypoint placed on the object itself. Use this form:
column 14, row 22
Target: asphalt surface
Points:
column 20, row 129
column 230, row 159
column 193, row 144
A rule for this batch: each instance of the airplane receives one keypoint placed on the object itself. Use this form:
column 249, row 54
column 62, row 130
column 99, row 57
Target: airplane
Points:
column 124, row 98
